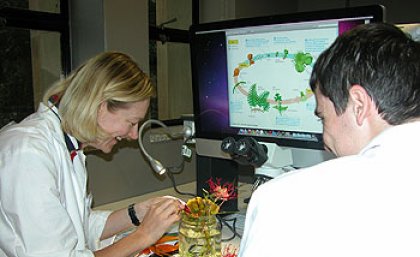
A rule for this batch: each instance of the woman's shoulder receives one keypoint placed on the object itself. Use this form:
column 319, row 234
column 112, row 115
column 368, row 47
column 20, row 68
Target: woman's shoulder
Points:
column 39, row 128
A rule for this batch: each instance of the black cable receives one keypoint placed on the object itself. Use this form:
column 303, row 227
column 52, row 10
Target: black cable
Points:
column 179, row 168
column 171, row 177
column 231, row 228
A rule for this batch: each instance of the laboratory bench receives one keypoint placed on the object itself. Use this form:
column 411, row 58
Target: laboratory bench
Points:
column 244, row 192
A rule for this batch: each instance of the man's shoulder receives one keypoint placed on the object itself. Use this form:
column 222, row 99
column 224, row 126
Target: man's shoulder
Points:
column 310, row 179
column 317, row 169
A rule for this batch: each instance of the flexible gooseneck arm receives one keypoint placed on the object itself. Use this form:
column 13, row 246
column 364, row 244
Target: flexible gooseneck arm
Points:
column 156, row 165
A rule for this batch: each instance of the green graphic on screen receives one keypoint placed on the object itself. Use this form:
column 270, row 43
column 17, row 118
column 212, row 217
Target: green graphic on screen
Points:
column 269, row 79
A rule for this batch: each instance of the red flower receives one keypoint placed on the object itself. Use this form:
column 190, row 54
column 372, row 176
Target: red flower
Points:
column 223, row 192
column 212, row 200
column 230, row 252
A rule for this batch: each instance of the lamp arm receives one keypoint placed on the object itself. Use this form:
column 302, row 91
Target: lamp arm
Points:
column 156, row 165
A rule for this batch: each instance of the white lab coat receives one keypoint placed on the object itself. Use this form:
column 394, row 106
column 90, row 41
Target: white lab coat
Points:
column 362, row 205
column 44, row 207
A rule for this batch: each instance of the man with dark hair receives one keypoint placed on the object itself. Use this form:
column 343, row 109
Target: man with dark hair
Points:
column 366, row 202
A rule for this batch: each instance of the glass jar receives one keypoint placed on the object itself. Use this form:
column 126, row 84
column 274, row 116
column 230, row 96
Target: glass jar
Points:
column 200, row 237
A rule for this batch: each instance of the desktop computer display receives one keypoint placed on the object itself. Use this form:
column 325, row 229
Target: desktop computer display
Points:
column 251, row 78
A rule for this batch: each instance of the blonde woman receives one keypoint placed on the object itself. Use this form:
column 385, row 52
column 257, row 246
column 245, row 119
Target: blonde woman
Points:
column 44, row 207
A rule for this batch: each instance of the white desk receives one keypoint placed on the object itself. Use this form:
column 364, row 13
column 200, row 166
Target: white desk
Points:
column 244, row 191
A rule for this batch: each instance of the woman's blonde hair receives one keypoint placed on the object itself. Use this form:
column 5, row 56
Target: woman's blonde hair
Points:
column 109, row 77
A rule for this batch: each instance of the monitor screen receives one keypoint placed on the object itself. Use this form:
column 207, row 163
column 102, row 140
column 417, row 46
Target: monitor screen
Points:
column 251, row 76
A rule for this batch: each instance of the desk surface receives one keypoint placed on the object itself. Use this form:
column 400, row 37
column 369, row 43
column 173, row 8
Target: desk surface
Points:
column 244, row 191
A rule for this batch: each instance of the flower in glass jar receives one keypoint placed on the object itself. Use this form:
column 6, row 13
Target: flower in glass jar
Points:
column 199, row 207
column 200, row 233
column 213, row 199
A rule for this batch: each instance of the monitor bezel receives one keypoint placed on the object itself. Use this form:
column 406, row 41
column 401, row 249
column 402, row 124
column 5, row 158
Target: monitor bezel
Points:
column 377, row 12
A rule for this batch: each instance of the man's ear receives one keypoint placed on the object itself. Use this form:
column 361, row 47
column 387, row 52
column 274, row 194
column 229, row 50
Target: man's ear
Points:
column 362, row 104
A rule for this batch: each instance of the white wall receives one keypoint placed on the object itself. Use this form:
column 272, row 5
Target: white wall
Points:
column 126, row 24
column 86, row 29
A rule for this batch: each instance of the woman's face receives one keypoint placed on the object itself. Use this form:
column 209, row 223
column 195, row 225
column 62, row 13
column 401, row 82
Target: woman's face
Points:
column 120, row 124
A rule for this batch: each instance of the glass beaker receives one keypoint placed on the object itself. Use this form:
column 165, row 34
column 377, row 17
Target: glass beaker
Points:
column 200, row 237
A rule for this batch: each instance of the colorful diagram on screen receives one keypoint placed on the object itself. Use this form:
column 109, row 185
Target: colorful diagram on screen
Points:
column 269, row 74
column 260, row 101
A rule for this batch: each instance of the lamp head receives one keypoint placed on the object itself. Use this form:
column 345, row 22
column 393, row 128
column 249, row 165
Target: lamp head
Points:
column 157, row 166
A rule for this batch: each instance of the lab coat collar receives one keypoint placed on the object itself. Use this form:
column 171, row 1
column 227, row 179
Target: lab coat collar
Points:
column 394, row 133
column 72, row 144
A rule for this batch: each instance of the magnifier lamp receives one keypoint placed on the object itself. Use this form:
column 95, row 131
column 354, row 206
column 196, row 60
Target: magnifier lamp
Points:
column 156, row 165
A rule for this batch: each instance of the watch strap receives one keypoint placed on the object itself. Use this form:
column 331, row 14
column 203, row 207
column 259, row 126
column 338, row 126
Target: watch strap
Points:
column 133, row 215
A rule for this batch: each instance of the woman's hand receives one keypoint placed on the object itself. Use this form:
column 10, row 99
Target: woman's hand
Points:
column 158, row 215
column 143, row 207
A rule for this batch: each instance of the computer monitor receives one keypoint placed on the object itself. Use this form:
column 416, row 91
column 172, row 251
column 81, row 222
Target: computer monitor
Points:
column 251, row 79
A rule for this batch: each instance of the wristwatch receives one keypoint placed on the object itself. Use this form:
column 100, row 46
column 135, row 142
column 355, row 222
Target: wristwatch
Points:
column 133, row 215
